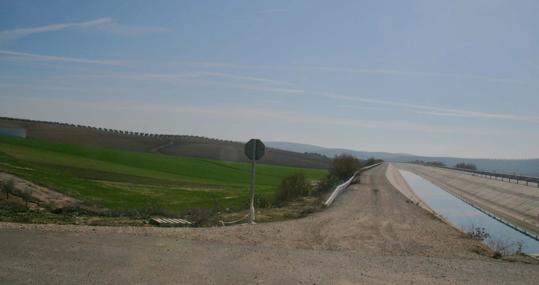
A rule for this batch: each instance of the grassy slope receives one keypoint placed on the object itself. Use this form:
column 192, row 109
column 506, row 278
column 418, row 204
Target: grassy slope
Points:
column 132, row 180
column 181, row 145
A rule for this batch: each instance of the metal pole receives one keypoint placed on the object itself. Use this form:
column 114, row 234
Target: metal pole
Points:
column 253, row 173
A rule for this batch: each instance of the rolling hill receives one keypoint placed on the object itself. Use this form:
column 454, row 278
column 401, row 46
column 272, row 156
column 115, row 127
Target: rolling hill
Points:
column 181, row 145
column 127, row 180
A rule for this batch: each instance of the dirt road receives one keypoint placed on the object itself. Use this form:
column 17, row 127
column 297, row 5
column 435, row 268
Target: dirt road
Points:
column 371, row 235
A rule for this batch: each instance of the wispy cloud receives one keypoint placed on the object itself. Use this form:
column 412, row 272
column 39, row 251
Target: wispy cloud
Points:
column 130, row 30
column 436, row 111
column 243, row 77
column 373, row 71
column 272, row 86
column 21, row 56
column 227, row 77
column 23, row 32
column 275, row 116
column 366, row 71
column 199, row 74
column 272, row 11
column 106, row 24
column 268, row 85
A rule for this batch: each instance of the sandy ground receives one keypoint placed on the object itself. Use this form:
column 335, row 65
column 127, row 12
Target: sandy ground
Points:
column 372, row 234
column 513, row 202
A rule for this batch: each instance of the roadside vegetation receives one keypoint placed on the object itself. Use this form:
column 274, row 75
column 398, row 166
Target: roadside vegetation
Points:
column 7, row 188
column 463, row 165
column 293, row 187
column 429, row 163
column 134, row 184
column 342, row 168
column 501, row 247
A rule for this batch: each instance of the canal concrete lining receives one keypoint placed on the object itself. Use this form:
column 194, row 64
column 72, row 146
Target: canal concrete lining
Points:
column 395, row 178
column 518, row 204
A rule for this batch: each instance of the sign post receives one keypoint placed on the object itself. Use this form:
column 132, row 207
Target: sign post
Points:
column 254, row 150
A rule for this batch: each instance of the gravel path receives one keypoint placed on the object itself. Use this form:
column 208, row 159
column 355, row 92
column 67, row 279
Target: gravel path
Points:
column 371, row 235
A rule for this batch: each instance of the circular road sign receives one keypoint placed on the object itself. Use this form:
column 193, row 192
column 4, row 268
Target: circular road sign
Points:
column 254, row 149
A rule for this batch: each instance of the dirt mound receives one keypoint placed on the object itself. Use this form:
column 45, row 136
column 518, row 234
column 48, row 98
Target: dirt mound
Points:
column 38, row 195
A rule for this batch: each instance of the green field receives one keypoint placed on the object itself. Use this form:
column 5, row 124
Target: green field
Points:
column 126, row 180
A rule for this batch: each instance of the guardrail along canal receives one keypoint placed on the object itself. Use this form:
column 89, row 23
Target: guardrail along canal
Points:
column 502, row 237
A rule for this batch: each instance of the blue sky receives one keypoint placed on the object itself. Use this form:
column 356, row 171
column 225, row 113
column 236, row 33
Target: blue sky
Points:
column 455, row 78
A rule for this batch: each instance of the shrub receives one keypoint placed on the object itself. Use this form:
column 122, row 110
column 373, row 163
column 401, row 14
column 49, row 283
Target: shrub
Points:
column 291, row 187
column 372, row 161
column 463, row 165
column 202, row 217
column 327, row 184
column 429, row 163
column 505, row 247
column 26, row 196
column 75, row 210
column 8, row 188
column 478, row 234
column 262, row 201
column 344, row 166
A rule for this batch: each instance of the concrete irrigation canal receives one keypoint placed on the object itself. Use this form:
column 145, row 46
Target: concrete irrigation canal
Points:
column 502, row 214
column 468, row 218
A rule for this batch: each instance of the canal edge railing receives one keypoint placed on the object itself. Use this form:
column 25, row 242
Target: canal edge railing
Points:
column 497, row 175
column 345, row 185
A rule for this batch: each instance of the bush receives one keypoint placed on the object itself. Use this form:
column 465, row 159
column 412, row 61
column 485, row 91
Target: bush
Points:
column 291, row 187
column 8, row 188
column 344, row 166
column 327, row 184
column 202, row 217
column 505, row 247
column 478, row 233
column 429, row 163
column 262, row 201
column 26, row 196
column 372, row 161
column 463, row 165
column 74, row 210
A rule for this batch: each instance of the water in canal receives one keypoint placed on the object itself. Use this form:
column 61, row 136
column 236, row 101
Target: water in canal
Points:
column 467, row 217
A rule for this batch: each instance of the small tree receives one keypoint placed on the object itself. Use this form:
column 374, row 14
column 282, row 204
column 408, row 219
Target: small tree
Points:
column 344, row 166
column 8, row 188
column 464, row 165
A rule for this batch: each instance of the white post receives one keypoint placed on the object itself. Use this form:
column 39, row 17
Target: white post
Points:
column 253, row 173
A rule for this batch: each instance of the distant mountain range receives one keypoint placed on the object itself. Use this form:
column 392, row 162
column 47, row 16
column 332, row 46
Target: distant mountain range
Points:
column 528, row 167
